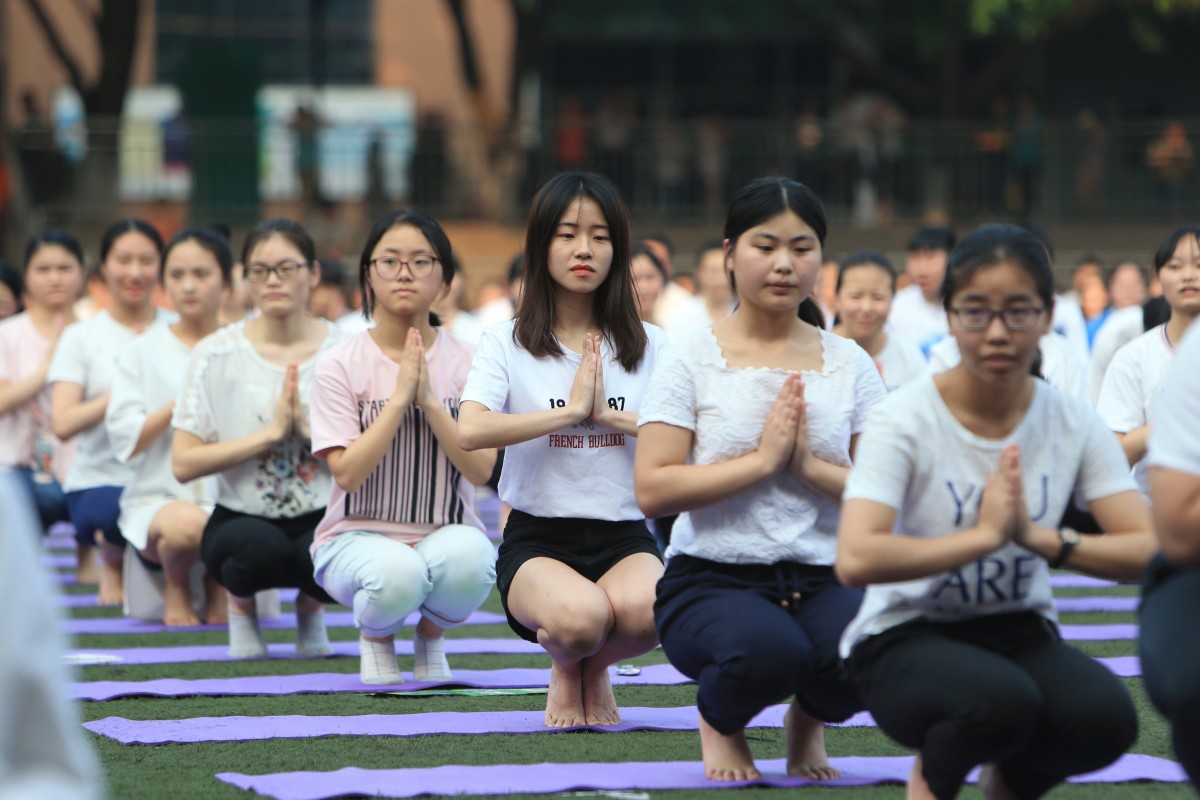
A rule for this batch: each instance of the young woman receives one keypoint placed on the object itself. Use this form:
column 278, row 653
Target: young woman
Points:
column 243, row 416
column 866, row 284
column 162, row 518
column 53, row 277
column 559, row 387
column 947, row 517
column 1135, row 376
column 749, row 606
column 384, row 404
column 649, row 278
column 82, row 373
column 1171, row 591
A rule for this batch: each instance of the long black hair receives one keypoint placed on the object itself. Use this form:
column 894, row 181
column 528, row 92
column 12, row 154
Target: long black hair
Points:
column 613, row 303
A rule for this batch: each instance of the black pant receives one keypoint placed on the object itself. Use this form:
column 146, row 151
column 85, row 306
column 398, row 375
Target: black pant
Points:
column 248, row 554
column 1002, row 689
column 756, row 634
column 1171, row 657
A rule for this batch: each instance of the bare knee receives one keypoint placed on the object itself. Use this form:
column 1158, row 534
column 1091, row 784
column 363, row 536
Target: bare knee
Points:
column 580, row 627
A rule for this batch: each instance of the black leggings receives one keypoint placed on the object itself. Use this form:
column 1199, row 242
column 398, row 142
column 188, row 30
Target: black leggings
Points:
column 248, row 554
column 1171, row 657
column 1001, row 689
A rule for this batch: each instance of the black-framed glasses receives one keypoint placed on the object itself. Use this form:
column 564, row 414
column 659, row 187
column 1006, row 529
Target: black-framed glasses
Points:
column 1017, row 318
column 389, row 267
column 284, row 270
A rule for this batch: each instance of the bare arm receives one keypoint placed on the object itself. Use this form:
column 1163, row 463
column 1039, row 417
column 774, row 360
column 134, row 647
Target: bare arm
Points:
column 14, row 394
column 1120, row 554
column 70, row 414
column 868, row 552
column 477, row 465
column 1134, row 443
column 156, row 425
column 666, row 484
column 1177, row 514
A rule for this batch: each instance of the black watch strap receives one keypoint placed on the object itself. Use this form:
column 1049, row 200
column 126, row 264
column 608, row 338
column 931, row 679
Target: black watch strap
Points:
column 1068, row 540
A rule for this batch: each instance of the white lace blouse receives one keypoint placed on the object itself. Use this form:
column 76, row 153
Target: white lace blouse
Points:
column 781, row 518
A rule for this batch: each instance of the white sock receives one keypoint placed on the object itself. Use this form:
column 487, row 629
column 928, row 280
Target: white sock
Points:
column 245, row 639
column 429, row 659
column 311, row 637
column 378, row 662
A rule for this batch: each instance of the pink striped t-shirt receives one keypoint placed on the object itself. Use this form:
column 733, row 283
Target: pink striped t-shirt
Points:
column 415, row 489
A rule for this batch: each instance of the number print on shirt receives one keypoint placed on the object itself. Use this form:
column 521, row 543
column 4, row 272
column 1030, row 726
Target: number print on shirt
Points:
column 616, row 403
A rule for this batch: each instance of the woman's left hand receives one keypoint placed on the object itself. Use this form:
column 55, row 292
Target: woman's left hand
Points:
column 802, row 451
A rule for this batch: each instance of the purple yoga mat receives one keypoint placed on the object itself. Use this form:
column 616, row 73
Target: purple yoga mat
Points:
column 1098, row 633
column 185, row 654
column 556, row 778
column 59, row 560
column 333, row 619
column 336, row 683
column 477, row 723
column 1072, row 580
column 1078, row 605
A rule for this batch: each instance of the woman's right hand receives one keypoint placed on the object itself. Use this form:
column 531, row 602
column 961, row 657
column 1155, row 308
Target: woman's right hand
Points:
column 583, row 390
column 778, row 439
column 285, row 407
column 1002, row 501
column 408, row 379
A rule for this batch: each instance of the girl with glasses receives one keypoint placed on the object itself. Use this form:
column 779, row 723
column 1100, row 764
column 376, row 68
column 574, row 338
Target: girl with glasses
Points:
column 948, row 519
column 748, row 429
column 243, row 417
column 559, row 388
column 161, row 518
column 81, row 375
column 400, row 533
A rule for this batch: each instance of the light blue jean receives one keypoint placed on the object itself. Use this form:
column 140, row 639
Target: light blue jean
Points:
column 447, row 575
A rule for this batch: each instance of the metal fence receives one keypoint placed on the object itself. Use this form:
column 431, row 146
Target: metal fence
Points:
column 670, row 173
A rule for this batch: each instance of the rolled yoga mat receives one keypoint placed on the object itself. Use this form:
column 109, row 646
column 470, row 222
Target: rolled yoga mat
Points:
column 333, row 619
column 454, row 723
column 503, row 779
column 338, row 683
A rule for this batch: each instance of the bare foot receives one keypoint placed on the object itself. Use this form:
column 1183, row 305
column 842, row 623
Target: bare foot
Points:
column 112, row 589
column 177, row 607
column 87, row 571
column 216, row 606
column 992, row 784
column 806, row 755
column 564, row 699
column 599, row 702
column 917, row 788
column 726, row 758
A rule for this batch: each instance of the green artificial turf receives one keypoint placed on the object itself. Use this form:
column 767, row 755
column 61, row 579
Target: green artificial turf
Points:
column 135, row 772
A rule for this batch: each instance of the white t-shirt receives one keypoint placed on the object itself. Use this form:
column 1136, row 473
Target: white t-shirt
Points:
column 149, row 374
column 25, row 432
column 583, row 470
column 917, row 458
column 1175, row 437
column 1068, row 321
column 1060, row 366
column 672, row 301
column 915, row 318
column 1131, row 387
column 86, row 355
column 467, row 327
column 1122, row 327
column 231, row 391
column 778, row 519
column 352, row 385
column 899, row 362
column 43, row 750
column 692, row 315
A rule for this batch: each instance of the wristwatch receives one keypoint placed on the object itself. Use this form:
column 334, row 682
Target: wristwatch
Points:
column 1068, row 540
